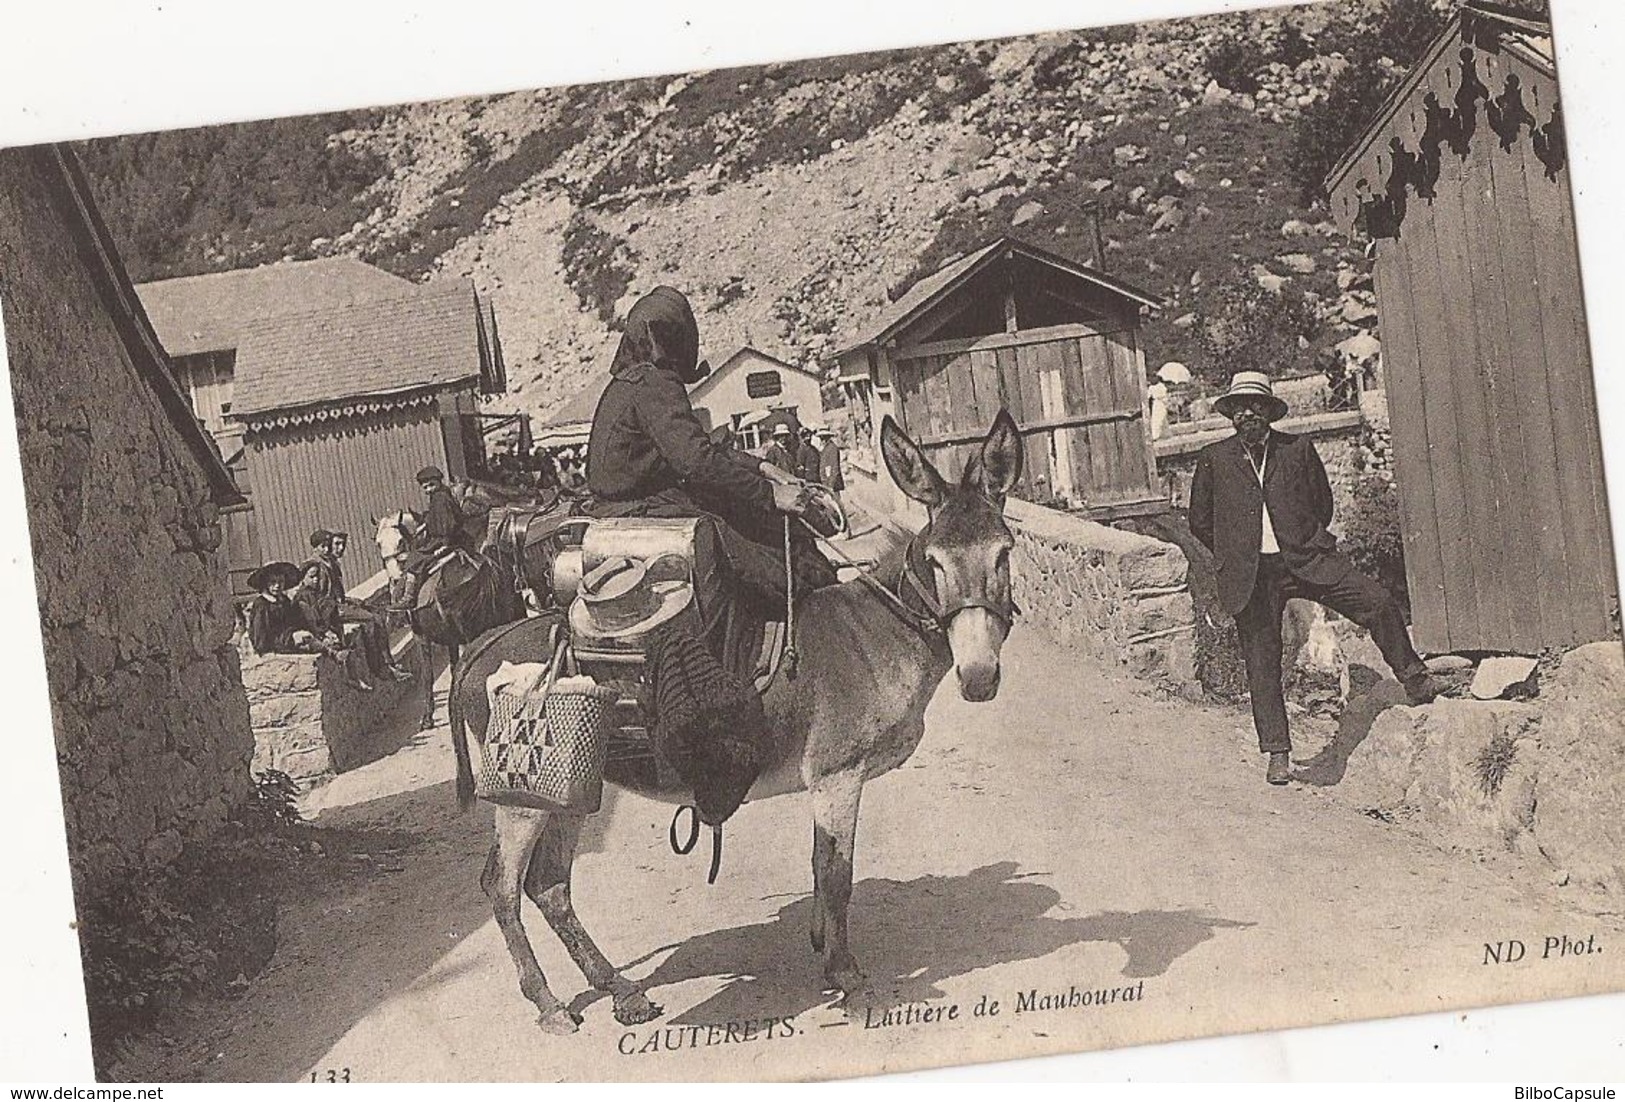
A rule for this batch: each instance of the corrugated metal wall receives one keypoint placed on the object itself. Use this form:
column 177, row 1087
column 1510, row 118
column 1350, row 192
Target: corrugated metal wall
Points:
column 339, row 475
column 1494, row 415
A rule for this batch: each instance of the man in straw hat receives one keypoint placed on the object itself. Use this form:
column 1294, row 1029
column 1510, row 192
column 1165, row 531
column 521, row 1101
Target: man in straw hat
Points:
column 1260, row 501
column 784, row 449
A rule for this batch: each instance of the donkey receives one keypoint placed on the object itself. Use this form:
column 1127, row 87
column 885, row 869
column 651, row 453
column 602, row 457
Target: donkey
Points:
column 873, row 651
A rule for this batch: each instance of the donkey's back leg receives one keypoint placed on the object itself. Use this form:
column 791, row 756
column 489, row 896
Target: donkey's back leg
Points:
column 517, row 832
column 548, row 883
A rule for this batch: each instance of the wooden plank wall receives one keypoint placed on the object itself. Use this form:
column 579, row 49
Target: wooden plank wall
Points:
column 1494, row 417
column 340, row 475
column 1050, row 380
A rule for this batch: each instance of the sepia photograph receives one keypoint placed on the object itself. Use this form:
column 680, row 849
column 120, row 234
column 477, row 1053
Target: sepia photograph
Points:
column 827, row 567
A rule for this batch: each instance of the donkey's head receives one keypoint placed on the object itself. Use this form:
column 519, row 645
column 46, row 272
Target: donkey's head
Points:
column 960, row 562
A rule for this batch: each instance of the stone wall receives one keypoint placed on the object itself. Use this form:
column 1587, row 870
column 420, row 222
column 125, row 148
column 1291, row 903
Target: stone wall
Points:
column 1120, row 597
column 310, row 722
column 150, row 718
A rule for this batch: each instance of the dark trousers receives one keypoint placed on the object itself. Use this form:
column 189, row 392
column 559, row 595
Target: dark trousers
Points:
column 1356, row 597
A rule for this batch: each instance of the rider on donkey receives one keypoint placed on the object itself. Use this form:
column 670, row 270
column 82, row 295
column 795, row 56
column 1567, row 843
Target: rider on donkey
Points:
column 649, row 456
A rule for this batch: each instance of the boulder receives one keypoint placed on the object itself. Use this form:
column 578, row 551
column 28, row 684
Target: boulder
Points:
column 1296, row 227
column 1356, row 311
column 1168, row 220
column 1581, row 823
column 1268, row 279
column 1359, row 349
column 1500, row 676
column 1129, row 154
column 1463, row 772
column 1027, row 212
column 1301, row 263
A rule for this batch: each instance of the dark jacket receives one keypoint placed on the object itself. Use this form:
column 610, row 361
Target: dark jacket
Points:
column 1227, row 516
column 443, row 523
column 807, row 462
column 271, row 625
column 646, row 440
column 829, row 467
column 781, row 457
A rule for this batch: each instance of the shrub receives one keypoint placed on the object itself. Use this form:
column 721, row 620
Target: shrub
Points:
column 1244, row 327
column 1235, row 64
column 596, row 265
column 1376, row 61
column 1371, row 534
column 150, row 934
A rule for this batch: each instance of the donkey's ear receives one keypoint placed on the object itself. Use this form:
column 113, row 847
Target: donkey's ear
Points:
column 909, row 467
column 996, row 469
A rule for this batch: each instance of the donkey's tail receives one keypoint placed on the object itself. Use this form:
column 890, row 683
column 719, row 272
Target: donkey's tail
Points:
column 459, row 738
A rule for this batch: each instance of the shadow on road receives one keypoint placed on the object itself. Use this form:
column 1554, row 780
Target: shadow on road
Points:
column 910, row 936
column 394, row 890
column 1370, row 694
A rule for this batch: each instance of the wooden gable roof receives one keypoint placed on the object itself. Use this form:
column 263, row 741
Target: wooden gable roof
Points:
column 956, row 273
column 209, row 312
column 432, row 337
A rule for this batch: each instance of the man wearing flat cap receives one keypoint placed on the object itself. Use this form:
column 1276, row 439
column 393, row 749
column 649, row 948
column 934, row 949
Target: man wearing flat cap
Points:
column 1261, row 502
column 442, row 519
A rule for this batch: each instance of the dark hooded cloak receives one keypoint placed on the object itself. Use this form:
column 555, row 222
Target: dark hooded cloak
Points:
column 646, row 441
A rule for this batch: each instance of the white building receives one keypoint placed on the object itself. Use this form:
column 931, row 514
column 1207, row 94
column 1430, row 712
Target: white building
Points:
column 745, row 390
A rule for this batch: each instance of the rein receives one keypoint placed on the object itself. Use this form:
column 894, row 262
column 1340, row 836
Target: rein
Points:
column 931, row 618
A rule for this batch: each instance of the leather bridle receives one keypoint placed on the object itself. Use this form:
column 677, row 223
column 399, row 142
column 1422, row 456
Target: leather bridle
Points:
column 932, row 614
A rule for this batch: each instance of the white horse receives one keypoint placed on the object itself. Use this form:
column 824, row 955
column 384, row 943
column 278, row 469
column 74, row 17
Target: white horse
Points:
column 396, row 533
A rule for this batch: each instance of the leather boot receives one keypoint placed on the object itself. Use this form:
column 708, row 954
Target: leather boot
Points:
column 1280, row 768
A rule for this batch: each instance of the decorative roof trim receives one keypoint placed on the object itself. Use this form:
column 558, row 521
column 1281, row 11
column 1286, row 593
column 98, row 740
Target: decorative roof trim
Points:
column 1465, row 21
column 270, row 420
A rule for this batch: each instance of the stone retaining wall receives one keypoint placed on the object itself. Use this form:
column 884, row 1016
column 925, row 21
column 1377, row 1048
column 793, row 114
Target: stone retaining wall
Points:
column 1118, row 596
column 151, row 726
column 310, row 722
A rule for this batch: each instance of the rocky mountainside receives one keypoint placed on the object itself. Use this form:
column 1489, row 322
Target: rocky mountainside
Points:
column 792, row 202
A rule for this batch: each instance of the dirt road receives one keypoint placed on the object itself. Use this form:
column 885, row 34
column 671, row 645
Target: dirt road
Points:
column 1073, row 835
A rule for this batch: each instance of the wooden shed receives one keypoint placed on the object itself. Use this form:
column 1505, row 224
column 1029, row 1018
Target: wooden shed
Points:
column 1054, row 341
column 341, row 407
column 1462, row 183
column 327, row 385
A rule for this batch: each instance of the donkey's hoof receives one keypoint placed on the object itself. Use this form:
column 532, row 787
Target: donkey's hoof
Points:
column 634, row 1008
column 559, row 1021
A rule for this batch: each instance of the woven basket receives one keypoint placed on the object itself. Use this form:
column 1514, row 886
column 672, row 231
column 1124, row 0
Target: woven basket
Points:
column 546, row 750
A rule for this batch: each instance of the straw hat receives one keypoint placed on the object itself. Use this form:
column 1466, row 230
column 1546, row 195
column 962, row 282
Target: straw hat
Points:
column 619, row 598
column 262, row 578
column 1251, row 384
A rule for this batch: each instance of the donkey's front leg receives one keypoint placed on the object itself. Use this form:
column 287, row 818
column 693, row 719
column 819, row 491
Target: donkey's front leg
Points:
column 835, row 827
column 517, row 832
column 548, row 883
